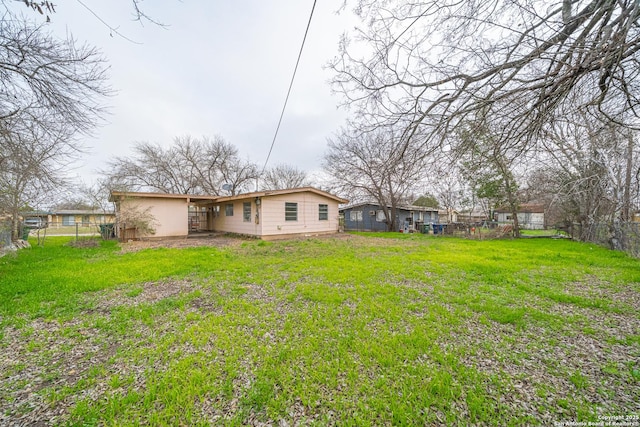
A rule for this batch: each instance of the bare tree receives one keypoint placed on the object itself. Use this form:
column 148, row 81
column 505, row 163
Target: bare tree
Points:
column 41, row 74
column 50, row 91
column 33, row 160
column 47, row 8
column 372, row 167
column 284, row 176
column 489, row 164
column 593, row 168
column 450, row 187
column 434, row 65
column 189, row 166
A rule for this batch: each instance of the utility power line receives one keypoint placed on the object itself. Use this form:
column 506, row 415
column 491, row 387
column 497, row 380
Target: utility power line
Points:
column 289, row 91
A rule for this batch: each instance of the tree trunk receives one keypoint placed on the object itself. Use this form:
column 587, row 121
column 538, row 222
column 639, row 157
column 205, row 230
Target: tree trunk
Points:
column 625, row 214
column 516, row 223
column 391, row 223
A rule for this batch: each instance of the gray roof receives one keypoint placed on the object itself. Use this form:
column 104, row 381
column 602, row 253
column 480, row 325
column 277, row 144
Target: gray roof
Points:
column 403, row 207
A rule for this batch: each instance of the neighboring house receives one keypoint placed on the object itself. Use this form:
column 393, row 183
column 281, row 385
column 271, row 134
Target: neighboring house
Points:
column 70, row 217
column 41, row 218
column 448, row 216
column 530, row 216
column 476, row 216
column 370, row 217
column 264, row 214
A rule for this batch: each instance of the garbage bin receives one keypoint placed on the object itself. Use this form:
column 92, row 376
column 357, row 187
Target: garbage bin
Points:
column 425, row 228
column 107, row 231
column 438, row 228
column 25, row 233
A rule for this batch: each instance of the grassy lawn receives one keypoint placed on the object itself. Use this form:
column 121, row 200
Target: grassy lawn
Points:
column 373, row 329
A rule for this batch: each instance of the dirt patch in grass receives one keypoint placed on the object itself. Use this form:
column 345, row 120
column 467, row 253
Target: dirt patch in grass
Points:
column 44, row 361
column 220, row 240
column 145, row 293
column 545, row 368
column 84, row 243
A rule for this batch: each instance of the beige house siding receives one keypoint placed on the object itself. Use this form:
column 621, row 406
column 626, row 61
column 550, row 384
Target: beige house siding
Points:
column 266, row 219
column 170, row 214
column 273, row 215
column 236, row 223
column 268, row 216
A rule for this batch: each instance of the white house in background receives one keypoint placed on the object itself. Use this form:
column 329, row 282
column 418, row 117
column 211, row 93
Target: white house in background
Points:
column 530, row 216
column 267, row 215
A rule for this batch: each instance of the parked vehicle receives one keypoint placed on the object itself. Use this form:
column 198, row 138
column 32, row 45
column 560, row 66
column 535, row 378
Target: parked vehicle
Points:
column 35, row 223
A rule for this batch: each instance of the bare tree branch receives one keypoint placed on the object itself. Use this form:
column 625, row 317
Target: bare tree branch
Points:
column 431, row 66
column 189, row 166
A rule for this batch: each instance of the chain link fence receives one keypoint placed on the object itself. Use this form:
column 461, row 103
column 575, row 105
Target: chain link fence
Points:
column 616, row 235
column 5, row 238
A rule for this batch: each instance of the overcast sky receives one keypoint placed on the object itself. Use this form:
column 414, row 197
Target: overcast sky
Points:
column 219, row 67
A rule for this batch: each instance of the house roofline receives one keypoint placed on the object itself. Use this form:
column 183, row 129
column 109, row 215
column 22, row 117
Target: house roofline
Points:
column 403, row 207
column 119, row 195
column 269, row 193
column 67, row 212
column 81, row 212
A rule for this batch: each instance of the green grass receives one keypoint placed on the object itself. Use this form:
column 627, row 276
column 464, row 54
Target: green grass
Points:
column 376, row 329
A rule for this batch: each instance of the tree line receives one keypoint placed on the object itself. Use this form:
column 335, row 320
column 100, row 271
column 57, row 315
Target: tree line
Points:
column 482, row 103
column 210, row 166
column 494, row 102
column 50, row 95
column 53, row 92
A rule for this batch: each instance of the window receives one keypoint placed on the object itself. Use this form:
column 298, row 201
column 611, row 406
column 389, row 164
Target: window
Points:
column 290, row 211
column 68, row 220
column 355, row 216
column 323, row 212
column 380, row 216
column 246, row 211
column 228, row 210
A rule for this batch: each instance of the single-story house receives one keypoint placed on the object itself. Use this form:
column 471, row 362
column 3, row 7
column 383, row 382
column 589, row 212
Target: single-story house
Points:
column 530, row 216
column 70, row 217
column 370, row 217
column 84, row 217
column 263, row 214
